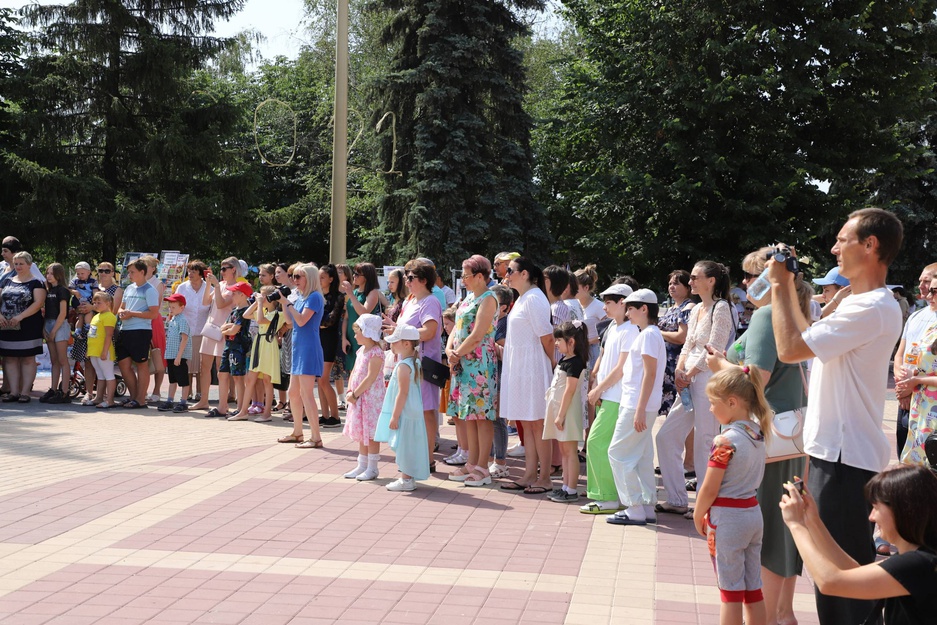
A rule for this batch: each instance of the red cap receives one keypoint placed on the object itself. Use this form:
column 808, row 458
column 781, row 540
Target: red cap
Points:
column 176, row 297
column 243, row 287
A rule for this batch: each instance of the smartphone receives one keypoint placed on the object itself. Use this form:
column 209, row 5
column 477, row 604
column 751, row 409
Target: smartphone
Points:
column 799, row 485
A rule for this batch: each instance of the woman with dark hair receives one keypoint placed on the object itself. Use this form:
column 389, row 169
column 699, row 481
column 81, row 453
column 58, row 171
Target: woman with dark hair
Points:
column 527, row 372
column 397, row 287
column 473, row 358
column 362, row 295
column 21, row 300
column 196, row 314
column 220, row 302
column 423, row 311
column 904, row 504
column 673, row 327
column 281, row 276
column 330, row 329
column 710, row 323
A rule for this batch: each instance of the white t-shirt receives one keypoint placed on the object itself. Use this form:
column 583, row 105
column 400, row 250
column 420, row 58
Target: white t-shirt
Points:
column 592, row 315
column 917, row 325
column 33, row 270
column 649, row 342
column 618, row 339
column 853, row 347
column 196, row 313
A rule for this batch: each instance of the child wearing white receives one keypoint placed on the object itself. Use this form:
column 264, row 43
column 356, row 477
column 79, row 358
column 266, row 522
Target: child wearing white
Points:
column 178, row 354
column 264, row 355
column 365, row 396
column 727, row 512
column 631, row 451
column 401, row 423
column 563, row 421
column 101, row 348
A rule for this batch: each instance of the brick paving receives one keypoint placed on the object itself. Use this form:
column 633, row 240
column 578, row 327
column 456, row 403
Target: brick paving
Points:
column 133, row 517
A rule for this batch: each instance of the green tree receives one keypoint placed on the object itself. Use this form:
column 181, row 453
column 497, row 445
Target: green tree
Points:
column 10, row 44
column 699, row 129
column 456, row 85
column 126, row 143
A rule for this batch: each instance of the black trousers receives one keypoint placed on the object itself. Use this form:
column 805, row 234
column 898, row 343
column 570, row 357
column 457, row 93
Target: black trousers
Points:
column 901, row 429
column 839, row 491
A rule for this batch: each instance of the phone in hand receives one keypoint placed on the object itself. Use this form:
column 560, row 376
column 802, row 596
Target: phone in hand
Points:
column 799, row 485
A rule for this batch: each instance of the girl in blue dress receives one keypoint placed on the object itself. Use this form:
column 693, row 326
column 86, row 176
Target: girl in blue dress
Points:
column 401, row 422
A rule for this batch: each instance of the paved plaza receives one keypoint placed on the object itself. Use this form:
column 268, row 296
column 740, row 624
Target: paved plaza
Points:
column 130, row 517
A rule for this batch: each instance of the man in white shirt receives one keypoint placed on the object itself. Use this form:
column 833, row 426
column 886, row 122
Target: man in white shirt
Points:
column 909, row 347
column 843, row 427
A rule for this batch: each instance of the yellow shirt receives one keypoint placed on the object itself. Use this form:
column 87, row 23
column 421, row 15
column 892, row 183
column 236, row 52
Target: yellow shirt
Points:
column 96, row 334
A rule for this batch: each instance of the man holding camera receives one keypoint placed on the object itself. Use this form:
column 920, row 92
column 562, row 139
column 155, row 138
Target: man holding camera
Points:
column 843, row 427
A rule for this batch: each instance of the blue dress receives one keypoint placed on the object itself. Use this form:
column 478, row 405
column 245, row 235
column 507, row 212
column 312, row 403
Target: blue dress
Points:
column 409, row 440
column 307, row 349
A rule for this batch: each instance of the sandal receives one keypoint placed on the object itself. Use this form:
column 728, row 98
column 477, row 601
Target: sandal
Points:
column 292, row 438
column 478, row 477
column 10, row 398
column 537, row 490
column 23, row 399
column 214, row 412
column 462, row 473
column 310, row 444
column 672, row 509
column 132, row 404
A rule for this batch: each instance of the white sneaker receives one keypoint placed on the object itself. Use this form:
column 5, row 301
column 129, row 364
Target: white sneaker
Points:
column 457, row 459
column 153, row 399
column 369, row 474
column 402, row 485
column 358, row 470
column 498, row 470
column 517, row 451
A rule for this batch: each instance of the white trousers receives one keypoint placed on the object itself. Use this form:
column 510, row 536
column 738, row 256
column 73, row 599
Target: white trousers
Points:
column 672, row 437
column 631, row 456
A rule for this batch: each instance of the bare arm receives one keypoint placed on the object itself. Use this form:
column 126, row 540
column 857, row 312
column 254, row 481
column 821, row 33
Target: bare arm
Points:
column 370, row 302
column 375, row 369
column 118, row 299
column 613, row 378
column 678, row 337
column 568, row 393
column 403, row 389
column 299, row 318
column 786, row 316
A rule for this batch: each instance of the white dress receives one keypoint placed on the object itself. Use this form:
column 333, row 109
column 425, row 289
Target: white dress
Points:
column 526, row 374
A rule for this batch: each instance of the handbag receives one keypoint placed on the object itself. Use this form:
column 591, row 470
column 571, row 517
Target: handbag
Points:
column 434, row 371
column 210, row 330
column 787, row 432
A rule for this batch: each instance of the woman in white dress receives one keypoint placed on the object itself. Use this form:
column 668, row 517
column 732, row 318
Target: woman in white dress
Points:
column 528, row 370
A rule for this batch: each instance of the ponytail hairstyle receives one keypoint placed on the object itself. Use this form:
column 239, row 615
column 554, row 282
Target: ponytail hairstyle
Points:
column 573, row 285
column 587, row 277
column 910, row 491
column 746, row 384
column 534, row 273
column 559, row 279
column 576, row 332
column 718, row 271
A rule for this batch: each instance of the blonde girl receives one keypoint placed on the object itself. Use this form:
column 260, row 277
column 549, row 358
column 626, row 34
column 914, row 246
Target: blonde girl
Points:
column 365, row 396
column 727, row 512
column 55, row 332
column 401, row 423
column 101, row 348
column 264, row 355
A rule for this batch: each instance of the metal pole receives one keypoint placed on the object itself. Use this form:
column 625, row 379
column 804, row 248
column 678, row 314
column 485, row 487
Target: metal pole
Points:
column 337, row 239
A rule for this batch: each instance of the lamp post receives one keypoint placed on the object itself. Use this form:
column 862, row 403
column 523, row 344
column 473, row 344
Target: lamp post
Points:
column 337, row 238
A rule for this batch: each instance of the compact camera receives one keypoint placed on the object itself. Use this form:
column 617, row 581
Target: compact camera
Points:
column 282, row 291
column 783, row 255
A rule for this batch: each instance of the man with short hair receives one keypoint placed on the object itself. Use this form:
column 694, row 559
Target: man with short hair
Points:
column 138, row 307
column 843, row 427
column 910, row 345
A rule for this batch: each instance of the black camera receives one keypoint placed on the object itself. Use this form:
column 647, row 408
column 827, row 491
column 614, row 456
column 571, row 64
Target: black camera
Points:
column 282, row 291
column 783, row 255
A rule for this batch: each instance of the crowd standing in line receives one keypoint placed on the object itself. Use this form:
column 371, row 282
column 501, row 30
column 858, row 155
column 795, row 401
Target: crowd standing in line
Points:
column 533, row 347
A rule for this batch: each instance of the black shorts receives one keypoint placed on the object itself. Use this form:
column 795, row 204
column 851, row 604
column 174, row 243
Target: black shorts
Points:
column 329, row 338
column 134, row 344
column 233, row 360
column 178, row 374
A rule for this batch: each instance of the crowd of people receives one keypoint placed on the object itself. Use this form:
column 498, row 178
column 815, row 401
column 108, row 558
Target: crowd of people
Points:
column 533, row 349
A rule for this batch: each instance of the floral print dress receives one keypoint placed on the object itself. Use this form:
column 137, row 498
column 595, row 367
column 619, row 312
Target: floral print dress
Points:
column 671, row 321
column 923, row 418
column 474, row 382
column 362, row 415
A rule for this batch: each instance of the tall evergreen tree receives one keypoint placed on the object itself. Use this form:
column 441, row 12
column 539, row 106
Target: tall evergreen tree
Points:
column 10, row 44
column 125, row 146
column 463, row 155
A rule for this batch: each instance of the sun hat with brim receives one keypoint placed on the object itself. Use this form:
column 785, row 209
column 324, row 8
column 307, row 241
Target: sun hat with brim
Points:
column 370, row 326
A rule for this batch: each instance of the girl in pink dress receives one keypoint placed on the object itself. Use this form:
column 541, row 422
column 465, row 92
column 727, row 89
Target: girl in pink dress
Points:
column 365, row 396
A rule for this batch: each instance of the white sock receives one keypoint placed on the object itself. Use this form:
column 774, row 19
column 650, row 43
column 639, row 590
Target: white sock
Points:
column 568, row 489
column 362, row 465
column 649, row 511
column 636, row 513
column 373, row 459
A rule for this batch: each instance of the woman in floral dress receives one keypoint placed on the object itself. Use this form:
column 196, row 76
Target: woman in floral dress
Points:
column 923, row 417
column 673, row 327
column 472, row 356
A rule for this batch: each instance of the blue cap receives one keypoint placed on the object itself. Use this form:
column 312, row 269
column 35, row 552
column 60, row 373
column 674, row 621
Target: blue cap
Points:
column 832, row 277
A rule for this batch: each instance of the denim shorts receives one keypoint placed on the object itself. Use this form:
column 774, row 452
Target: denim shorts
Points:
column 63, row 331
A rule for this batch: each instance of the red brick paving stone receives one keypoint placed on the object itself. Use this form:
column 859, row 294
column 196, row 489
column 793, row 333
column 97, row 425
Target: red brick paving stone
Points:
column 215, row 460
column 38, row 514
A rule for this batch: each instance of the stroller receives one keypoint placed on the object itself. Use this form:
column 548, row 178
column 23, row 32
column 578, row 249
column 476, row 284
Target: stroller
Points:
column 76, row 384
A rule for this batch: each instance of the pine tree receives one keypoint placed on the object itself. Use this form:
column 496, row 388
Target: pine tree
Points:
column 125, row 144
column 456, row 87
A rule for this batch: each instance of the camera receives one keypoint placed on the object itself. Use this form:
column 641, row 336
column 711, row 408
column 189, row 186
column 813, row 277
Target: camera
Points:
column 282, row 291
column 783, row 255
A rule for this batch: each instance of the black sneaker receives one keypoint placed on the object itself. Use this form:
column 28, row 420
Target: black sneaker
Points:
column 58, row 397
column 181, row 407
column 564, row 497
column 331, row 422
column 164, row 406
column 322, row 421
column 47, row 395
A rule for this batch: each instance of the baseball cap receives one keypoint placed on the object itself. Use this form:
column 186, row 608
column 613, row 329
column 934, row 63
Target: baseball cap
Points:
column 83, row 265
column 403, row 332
column 619, row 290
column 832, row 277
column 176, row 297
column 242, row 287
column 642, row 296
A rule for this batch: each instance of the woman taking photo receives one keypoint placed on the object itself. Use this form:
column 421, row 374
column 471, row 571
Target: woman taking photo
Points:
column 423, row 311
column 304, row 316
column 473, row 359
column 528, row 371
column 904, row 504
column 710, row 324
column 361, row 296
column 282, row 277
column 330, row 329
column 21, row 300
column 220, row 301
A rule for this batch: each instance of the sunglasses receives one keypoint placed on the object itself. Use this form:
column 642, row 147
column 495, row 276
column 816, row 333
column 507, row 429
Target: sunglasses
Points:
column 510, row 270
column 749, row 276
column 224, row 267
column 105, row 270
column 290, row 276
column 410, row 277
column 357, row 273
column 932, row 291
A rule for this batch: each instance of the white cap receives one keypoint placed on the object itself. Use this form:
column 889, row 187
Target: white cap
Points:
column 642, row 296
column 403, row 332
column 370, row 326
column 621, row 290
column 83, row 265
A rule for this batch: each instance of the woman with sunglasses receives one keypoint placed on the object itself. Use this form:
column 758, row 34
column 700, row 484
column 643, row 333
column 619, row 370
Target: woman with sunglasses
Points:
column 283, row 277
column 923, row 384
column 196, row 314
column 220, row 300
column 527, row 372
column 330, row 328
column 362, row 295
